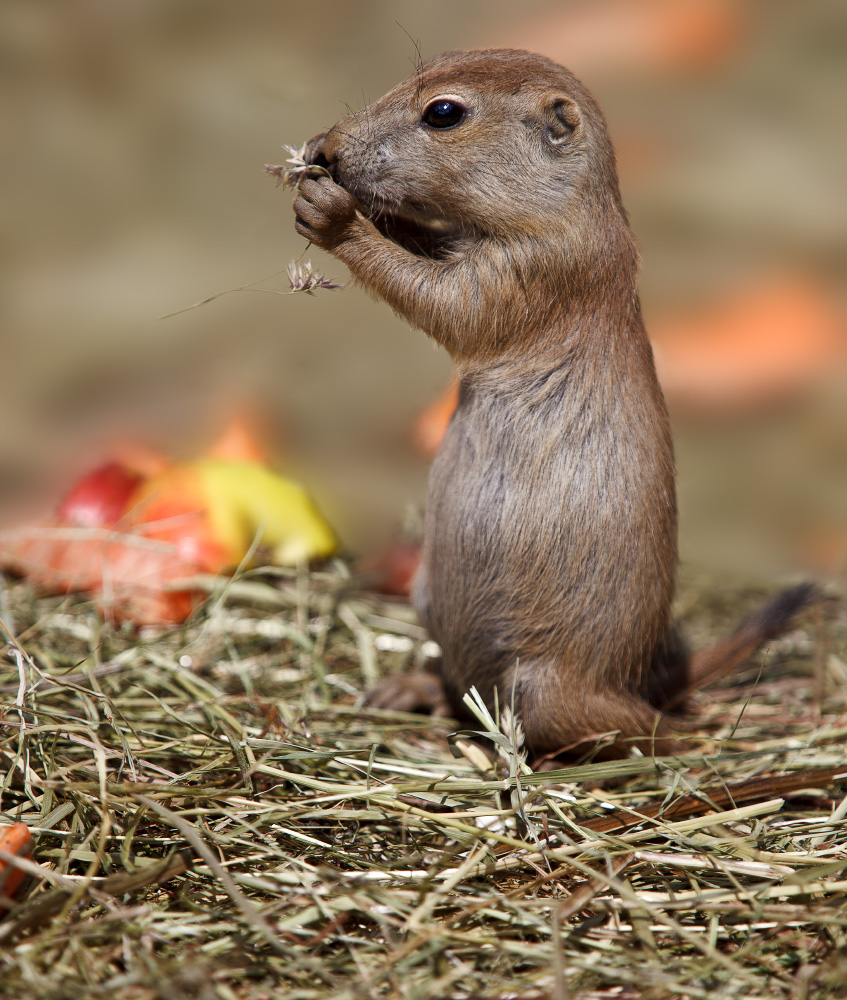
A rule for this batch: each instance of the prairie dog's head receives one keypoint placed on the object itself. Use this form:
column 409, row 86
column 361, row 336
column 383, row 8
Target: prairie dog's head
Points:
column 488, row 142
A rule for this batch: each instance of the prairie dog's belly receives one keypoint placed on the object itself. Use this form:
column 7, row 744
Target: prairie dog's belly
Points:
column 537, row 546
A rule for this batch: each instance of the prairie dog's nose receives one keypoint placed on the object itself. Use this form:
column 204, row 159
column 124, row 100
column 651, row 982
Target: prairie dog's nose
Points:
column 315, row 154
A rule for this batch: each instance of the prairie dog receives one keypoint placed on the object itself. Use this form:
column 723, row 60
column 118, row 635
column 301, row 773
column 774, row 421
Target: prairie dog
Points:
column 480, row 199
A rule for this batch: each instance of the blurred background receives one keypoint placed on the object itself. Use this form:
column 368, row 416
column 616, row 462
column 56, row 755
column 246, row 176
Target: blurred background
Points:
column 135, row 133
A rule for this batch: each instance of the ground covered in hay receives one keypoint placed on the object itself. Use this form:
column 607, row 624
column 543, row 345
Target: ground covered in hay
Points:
column 216, row 815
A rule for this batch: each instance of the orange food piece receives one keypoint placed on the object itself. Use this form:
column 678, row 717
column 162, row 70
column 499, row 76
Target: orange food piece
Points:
column 133, row 572
column 431, row 424
column 173, row 509
column 178, row 521
column 393, row 570
column 238, row 443
column 212, row 510
column 760, row 345
column 15, row 839
column 131, row 576
column 100, row 498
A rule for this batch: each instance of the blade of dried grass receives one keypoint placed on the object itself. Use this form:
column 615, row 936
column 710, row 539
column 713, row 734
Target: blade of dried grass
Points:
column 251, row 914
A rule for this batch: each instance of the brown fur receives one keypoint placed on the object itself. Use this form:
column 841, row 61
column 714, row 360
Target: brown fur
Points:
column 550, row 537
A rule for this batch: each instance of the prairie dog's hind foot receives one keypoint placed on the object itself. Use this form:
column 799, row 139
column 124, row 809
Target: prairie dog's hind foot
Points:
column 567, row 726
column 419, row 691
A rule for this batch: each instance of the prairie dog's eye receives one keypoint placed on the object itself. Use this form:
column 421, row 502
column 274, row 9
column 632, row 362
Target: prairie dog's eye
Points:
column 444, row 112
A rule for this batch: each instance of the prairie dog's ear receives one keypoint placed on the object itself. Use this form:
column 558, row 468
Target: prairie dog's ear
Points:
column 562, row 118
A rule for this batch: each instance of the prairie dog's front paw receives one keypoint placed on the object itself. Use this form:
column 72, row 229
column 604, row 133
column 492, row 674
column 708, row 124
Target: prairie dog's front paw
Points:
column 325, row 211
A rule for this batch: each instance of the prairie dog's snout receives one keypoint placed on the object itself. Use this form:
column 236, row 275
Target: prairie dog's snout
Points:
column 314, row 152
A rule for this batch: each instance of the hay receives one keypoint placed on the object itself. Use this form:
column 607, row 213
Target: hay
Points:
column 217, row 816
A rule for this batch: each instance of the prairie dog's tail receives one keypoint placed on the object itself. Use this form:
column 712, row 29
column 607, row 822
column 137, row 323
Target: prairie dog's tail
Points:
column 753, row 632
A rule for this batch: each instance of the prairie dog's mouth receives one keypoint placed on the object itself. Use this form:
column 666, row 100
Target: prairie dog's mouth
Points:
column 433, row 223
column 413, row 225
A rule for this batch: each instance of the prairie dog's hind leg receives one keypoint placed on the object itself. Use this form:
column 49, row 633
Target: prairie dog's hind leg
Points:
column 555, row 720
column 670, row 670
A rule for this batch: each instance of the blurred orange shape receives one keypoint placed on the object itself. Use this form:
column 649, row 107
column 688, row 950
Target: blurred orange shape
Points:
column 393, row 570
column 100, row 498
column 130, row 576
column 173, row 508
column 641, row 155
column 238, row 443
column 763, row 344
column 187, row 519
column 213, row 510
column 824, row 550
column 431, row 424
column 17, row 840
column 627, row 35
column 138, row 458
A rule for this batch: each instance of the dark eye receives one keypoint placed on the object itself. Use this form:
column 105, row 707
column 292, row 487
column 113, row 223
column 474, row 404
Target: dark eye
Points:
column 443, row 113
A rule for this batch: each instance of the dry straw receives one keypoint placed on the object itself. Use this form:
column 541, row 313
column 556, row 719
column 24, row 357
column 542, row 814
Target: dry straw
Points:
column 217, row 815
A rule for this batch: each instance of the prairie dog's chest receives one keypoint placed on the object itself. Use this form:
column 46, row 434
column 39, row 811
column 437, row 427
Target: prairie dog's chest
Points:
column 525, row 436
column 502, row 463
column 527, row 463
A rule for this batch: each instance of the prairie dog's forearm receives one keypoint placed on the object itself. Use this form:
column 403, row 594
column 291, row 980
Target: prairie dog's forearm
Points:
column 429, row 293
